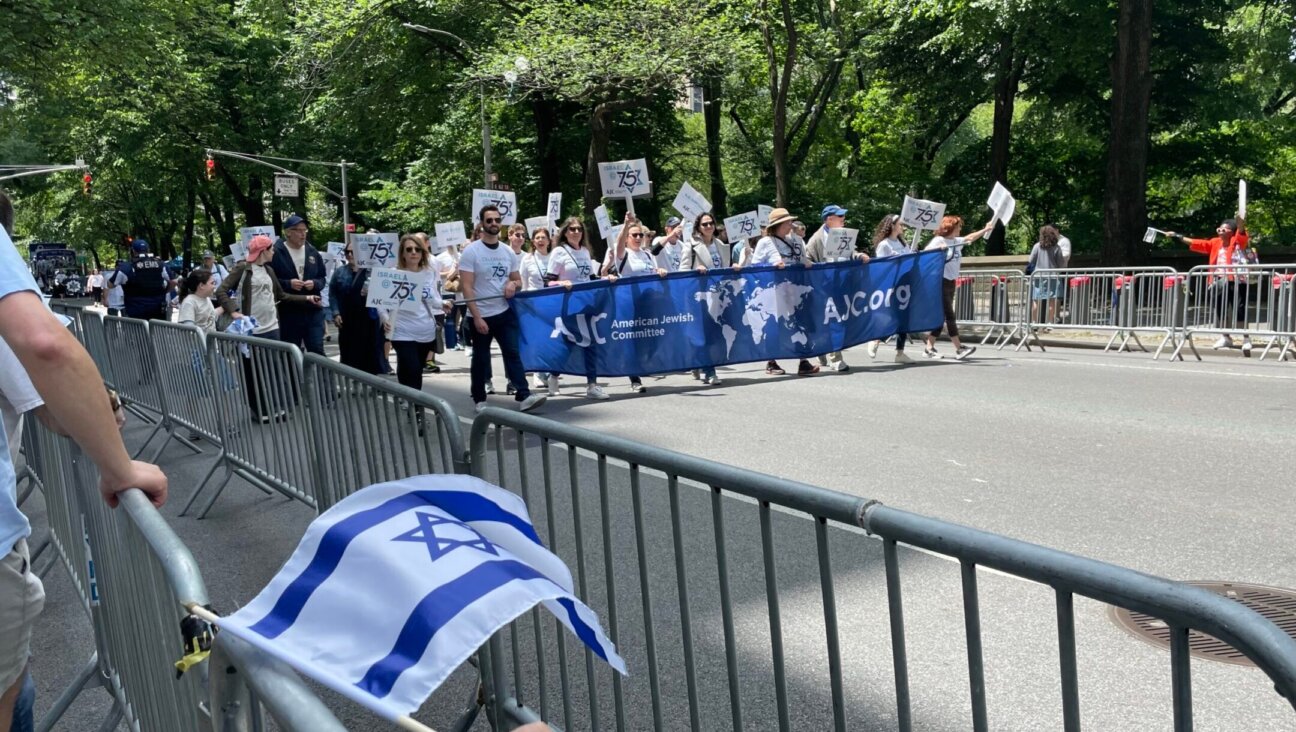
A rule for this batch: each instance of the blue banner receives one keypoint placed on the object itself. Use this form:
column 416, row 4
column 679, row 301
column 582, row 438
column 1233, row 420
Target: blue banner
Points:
column 687, row 320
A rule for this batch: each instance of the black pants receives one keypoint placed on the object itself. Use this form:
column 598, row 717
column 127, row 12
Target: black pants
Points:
column 410, row 357
column 947, row 299
column 258, row 394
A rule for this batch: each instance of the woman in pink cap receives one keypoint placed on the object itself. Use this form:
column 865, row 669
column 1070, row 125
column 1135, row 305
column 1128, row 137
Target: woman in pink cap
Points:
column 259, row 295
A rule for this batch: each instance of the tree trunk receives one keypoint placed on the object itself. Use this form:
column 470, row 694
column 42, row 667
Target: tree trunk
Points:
column 192, row 210
column 545, row 115
column 711, row 100
column 600, row 135
column 1125, row 198
column 1007, row 82
column 780, row 81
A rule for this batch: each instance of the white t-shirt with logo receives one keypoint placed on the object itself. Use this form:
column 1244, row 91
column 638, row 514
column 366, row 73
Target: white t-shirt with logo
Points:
column 416, row 321
column 671, row 254
column 953, row 254
column 638, row 264
column 490, row 267
column 533, row 269
column 571, row 265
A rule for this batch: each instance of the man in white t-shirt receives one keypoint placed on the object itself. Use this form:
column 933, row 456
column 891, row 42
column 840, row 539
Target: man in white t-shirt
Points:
column 488, row 273
column 669, row 248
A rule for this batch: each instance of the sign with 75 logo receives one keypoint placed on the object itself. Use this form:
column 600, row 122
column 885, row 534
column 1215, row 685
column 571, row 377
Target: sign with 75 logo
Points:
column 393, row 288
column 625, row 178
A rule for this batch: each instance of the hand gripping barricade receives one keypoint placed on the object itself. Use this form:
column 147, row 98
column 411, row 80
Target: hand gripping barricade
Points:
column 265, row 427
column 369, row 430
column 135, row 371
column 994, row 300
column 718, row 586
column 1254, row 301
column 136, row 579
column 1120, row 301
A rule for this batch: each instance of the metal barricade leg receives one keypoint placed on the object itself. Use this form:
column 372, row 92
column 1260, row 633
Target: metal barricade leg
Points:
column 87, row 678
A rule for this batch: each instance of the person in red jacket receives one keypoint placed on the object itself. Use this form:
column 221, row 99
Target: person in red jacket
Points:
column 1229, row 288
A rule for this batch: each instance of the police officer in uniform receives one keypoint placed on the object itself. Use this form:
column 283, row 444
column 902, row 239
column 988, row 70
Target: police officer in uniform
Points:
column 144, row 281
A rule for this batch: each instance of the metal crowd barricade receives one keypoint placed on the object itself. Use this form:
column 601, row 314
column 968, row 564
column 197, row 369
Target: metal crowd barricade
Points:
column 136, row 373
column 370, row 430
column 188, row 381
column 135, row 578
column 1120, row 301
column 642, row 542
column 1251, row 300
column 94, row 336
column 266, row 428
column 993, row 299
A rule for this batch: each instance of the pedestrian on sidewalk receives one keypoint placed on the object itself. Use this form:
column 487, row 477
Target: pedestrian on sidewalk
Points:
column 947, row 238
column 1228, row 288
column 1046, row 290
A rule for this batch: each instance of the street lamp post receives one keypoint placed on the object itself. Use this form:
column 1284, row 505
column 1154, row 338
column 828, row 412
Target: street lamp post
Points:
column 262, row 160
column 481, row 88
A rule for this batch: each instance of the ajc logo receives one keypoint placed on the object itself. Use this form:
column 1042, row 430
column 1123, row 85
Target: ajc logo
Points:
column 586, row 325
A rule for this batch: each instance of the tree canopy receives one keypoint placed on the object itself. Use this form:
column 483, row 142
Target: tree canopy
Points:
column 1102, row 117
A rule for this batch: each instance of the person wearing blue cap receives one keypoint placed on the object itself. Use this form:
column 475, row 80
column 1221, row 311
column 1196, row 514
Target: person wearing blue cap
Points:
column 833, row 217
column 300, row 270
column 144, row 280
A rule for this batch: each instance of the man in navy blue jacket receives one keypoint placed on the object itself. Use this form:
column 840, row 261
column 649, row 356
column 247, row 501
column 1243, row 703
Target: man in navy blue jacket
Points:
column 300, row 270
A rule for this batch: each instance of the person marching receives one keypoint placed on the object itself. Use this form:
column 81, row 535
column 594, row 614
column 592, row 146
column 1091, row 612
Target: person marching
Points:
column 947, row 238
column 1228, row 288
column 630, row 259
column 489, row 274
column 569, row 264
column 888, row 241
column 300, row 270
column 705, row 253
column 780, row 247
column 819, row 249
column 359, row 333
column 413, row 326
column 533, row 269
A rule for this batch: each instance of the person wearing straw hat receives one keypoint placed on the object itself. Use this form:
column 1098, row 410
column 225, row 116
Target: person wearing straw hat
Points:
column 780, row 247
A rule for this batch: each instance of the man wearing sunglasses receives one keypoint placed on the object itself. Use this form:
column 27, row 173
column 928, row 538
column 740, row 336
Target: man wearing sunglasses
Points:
column 300, row 270
column 488, row 276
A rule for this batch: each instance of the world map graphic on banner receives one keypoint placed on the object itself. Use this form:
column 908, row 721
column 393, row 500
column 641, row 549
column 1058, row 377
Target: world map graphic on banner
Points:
column 780, row 302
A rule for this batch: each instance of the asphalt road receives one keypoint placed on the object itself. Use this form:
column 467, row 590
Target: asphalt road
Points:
column 1181, row 470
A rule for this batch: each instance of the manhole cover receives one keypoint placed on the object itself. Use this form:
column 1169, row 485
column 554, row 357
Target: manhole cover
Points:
column 1274, row 603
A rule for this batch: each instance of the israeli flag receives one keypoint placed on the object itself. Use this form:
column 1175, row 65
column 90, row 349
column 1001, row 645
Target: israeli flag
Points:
column 398, row 584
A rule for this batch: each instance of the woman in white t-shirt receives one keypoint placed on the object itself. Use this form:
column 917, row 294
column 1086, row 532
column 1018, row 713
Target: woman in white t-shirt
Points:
column 533, row 270
column 780, row 247
column 630, row 259
column 570, row 264
column 947, row 238
column 195, row 300
column 412, row 327
column 888, row 241
column 705, row 253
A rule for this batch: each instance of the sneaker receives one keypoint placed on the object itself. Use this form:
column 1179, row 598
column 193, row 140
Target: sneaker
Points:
column 637, row 388
column 194, row 436
column 431, row 367
column 807, row 369
column 1246, row 347
column 531, row 402
column 873, row 347
column 469, row 353
column 964, row 352
column 263, row 419
column 697, row 375
column 706, row 379
column 932, row 353
column 479, row 406
column 773, row 369
column 902, row 358
column 490, row 387
column 715, row 381
column 553, row 385
column 510, row 390
column 539, row 383
column 594, row 391
column 841, row 367
column 1223, row 342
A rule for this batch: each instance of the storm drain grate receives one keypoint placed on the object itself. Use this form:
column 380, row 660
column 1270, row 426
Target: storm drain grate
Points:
column 1276, row 604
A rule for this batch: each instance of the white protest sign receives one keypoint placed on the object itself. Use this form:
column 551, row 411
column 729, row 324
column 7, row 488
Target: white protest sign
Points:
column 624, row 178
column 555, row 208
column 337, row 251
column 394, row 288
column 246, row 234
column 451, row 233
column 505, row 201
column 1242, row 199
column 690, row 203
column 614, row 233
column 688, row 232
column 762, row 214
column 742, row 226
column 839, row 244
column 604, row 223
column 239, row 250
column 285, row 185
column 375, row 250
column 920, row 214
column 538, row 222
column 1002, row 203
column 229, row 261
column 1150, row 235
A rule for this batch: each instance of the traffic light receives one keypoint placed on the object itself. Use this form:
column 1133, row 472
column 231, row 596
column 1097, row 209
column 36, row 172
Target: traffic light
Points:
column 211, row 168
column 87, row 181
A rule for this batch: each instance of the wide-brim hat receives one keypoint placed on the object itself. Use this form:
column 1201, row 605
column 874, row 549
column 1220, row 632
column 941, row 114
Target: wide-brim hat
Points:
column 779, row 216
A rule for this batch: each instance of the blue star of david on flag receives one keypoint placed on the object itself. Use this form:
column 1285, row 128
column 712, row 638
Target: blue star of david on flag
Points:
column 439, row 546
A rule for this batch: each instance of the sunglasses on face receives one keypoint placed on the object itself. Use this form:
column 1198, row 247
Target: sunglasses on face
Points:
column 575, row 230
column 492, row 221
column 636, row 236
column 705, row 224
column 412, row 250
column 350, row 253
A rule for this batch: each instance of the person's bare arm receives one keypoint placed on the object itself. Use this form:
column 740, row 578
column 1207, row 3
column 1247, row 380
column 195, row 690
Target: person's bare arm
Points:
column 72, row 388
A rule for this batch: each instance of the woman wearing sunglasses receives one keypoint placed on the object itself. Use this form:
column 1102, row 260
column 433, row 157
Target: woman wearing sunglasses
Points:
column 630, row 259
column 570, row 264
column 534, row 268
column 706, row 252
column 413, row 327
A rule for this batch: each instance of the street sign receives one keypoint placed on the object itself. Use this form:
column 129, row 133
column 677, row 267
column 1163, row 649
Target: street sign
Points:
column 285, row 185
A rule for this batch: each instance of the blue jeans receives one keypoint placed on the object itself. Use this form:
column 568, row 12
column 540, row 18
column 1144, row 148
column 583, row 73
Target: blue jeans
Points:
column 303, row 329
column 24, row 716
column 504, row 329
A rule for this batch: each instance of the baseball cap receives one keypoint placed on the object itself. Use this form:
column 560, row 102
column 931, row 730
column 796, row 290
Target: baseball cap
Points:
column 292, row 221
column 672, row 222
column 208, row 254
column 832, row 209
column 259, row 244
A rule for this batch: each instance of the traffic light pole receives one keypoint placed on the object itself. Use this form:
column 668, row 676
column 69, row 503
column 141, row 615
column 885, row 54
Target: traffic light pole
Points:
column 9, row 172
column 264, row 161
